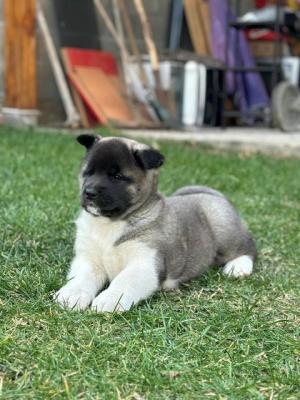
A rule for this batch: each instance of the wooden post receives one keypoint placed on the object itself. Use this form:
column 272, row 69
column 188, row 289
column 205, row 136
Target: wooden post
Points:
column 20, row 54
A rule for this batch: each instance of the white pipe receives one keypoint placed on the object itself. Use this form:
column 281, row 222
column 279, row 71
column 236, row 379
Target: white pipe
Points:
column 190, row 93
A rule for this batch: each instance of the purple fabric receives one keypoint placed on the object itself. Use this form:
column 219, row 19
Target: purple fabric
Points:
column 250, row 86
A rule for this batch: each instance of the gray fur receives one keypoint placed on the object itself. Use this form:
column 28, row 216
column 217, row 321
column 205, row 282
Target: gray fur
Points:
column 197, row 190
column 191, row 232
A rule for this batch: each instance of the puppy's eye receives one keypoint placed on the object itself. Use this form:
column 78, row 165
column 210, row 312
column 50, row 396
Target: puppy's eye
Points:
column 118, row 177
column 89, row 172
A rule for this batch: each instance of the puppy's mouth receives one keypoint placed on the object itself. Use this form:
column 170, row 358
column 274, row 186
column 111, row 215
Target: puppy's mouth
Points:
column 104, row 212
column 91, row 209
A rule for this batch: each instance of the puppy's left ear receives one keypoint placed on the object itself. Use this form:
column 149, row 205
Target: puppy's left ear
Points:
column 149, row 158
column 88, row 140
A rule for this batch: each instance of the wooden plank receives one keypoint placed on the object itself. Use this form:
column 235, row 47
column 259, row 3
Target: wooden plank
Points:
column 195, row 27
column 204, row 17
column 20, row 54
column 27, row 25
column 10, row 55
column 74, row 57
column 94, row 102
column 107, row 104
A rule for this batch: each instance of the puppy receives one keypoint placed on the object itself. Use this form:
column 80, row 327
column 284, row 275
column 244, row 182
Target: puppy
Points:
column 130, row 235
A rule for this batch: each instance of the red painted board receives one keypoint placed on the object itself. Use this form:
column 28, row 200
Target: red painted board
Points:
column 91, row 58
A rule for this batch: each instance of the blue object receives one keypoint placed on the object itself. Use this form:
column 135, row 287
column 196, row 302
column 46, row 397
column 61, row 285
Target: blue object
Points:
column 176, row 24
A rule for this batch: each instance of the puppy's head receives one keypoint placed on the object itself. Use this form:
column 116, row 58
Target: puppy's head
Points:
column 117, row 175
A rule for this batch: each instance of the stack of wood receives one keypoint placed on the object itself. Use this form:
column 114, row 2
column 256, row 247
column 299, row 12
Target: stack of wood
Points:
column 105, row 95
column 96, row 90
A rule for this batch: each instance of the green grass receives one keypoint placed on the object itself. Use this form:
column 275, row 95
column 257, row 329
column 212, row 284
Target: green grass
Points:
column 216, row 338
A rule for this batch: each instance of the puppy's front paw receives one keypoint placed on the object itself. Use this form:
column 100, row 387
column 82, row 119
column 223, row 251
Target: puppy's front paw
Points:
column 110, row 301
column 73, row 296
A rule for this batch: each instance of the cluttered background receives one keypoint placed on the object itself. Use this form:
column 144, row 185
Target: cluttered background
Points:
column 159, row 64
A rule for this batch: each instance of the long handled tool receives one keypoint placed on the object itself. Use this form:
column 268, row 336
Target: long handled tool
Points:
column 110, row 26
column 142, row 78
column 149, row 41
column 139, row 81
column 132, row 41
column 72, row 115
column 119, row 29
column 127, row 78
column 123, row 50
column 163, row 96
column 162, row 113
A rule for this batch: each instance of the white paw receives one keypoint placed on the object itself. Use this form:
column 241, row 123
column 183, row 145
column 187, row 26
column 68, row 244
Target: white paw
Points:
column 170, row 284
column 110, row 301
column 239, row 267
column 73, row 296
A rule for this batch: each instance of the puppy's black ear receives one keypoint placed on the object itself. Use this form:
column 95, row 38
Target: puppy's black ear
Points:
column 87, row 140
column 149, row 158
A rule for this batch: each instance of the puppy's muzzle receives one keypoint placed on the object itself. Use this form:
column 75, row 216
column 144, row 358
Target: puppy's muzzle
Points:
column 98, row 198
column 90, row 194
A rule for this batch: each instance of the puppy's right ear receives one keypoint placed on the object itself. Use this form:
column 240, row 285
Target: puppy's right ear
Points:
column 88, row 140
column 148, row 158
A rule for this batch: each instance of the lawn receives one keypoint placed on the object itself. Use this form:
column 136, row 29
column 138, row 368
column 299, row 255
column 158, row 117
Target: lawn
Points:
column 216, row 338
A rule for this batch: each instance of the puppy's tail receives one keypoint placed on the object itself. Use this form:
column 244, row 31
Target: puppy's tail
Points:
column 186, row 190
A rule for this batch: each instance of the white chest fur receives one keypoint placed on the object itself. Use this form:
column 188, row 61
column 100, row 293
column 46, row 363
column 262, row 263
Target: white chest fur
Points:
column 97, row 236
column 130, row 266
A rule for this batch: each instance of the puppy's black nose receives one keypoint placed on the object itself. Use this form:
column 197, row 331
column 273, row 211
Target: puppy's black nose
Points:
column 90, row 193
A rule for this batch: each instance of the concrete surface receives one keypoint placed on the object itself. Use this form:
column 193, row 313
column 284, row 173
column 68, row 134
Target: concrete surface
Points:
column 246, row 140
column 263, row 140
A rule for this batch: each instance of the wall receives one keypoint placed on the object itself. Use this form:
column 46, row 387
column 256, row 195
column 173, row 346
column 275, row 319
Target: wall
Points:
column 50, row 104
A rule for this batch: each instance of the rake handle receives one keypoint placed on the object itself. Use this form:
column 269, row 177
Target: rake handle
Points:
column 148, row 40
column 132, row 40
column 111, row 28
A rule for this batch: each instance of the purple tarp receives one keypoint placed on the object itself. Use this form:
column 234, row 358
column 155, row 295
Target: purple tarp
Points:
column 250, row 86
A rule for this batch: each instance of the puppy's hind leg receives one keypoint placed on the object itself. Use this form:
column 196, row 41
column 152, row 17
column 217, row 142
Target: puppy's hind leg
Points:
column 239, row 267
